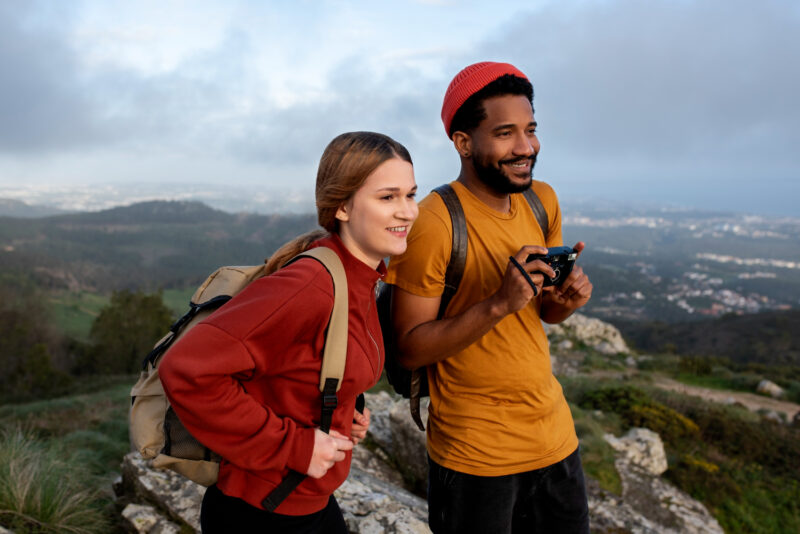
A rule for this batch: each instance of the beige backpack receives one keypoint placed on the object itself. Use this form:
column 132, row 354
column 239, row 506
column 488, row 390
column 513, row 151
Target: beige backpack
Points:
column 155, row 430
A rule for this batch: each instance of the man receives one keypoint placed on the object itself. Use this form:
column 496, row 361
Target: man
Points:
column 501, row 441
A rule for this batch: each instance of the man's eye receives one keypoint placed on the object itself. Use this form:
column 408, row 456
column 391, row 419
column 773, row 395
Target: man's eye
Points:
column 412, row 195
column 387, row 197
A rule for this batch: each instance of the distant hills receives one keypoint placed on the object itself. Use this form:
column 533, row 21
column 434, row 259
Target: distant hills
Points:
column 10, row 207
column 150, row 245
column 771, row 338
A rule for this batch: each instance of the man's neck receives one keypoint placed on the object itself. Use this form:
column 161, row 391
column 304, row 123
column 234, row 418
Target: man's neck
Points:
column 497, row 201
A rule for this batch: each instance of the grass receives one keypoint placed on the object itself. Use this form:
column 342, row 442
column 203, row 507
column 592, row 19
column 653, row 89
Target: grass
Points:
column 597, row 455
column 177, row 300
column 45, row 489
column 56, row 473
column 74, row 312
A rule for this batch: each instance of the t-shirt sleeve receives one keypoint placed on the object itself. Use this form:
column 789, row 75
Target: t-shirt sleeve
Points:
column 421, row 269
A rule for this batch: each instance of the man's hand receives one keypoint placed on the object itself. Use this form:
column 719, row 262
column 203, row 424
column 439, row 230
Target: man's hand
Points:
column 360, row 426
column 573, row 293
column 328, row 449
column 515, row 292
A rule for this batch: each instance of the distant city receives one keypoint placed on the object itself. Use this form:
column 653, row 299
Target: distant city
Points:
column 226, row 197
column 649, row 262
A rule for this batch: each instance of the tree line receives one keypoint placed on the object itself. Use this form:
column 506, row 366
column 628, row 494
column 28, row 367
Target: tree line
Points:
column 38, row 361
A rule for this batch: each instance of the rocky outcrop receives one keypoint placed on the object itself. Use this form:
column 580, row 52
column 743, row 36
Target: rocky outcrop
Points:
column 373, row 498
column 600, row 336
column 765, row 387
column 641, row 447
column 648, row 504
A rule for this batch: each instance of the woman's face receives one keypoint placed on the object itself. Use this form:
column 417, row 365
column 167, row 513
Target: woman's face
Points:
column 374, row 223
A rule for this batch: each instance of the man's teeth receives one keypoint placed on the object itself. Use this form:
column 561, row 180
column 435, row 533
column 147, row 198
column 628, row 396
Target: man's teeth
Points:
column 397, row 229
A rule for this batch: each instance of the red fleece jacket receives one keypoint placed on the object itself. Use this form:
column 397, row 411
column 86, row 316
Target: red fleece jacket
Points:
column 245, row 382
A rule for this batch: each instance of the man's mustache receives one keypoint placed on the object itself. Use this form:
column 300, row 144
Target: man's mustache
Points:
column 519, row 159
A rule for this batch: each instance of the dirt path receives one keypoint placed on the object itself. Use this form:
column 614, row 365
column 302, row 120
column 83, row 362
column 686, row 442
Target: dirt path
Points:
column 751, row 401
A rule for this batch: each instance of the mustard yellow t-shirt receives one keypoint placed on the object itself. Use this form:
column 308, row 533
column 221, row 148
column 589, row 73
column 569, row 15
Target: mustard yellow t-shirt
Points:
column 496, row 408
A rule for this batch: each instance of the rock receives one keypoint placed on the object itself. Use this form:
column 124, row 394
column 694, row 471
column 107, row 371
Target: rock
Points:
column 765, row 387
column 408, row 442
column 380, row 429
column 4, row 530
column 377, row 463
column 371, row 505
column 641, row 447
column 648, row 504
column 370, row 501
column 173, row 493
column 145, row 519
column 601, row 336
column 772, row 415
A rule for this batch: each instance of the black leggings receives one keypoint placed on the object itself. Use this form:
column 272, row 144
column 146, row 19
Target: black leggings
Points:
column 223, row 514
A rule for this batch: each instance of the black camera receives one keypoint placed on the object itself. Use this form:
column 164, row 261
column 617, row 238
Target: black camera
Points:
column 560, row 259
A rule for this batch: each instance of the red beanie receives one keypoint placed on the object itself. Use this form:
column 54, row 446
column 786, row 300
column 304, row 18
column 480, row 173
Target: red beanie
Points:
column 469, row 81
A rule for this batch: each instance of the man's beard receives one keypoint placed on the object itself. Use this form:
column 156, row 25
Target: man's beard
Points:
column 495, row 179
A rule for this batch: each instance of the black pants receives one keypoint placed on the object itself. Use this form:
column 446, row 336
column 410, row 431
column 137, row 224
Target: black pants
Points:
column 223, row 514
column 551, row 499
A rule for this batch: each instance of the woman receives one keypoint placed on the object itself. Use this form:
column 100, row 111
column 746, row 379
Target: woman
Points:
column 245, row 381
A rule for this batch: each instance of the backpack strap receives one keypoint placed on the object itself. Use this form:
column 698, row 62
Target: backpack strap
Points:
column 452, row 279
column 455, row 270
column 458, row 251
column 334, row 356
column 538, row 211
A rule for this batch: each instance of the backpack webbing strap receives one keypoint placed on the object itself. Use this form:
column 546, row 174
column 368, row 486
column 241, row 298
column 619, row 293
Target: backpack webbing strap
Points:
column 458, row 251
column 334, row 356
column 452, row 278
column 538, row 211
column 178, row 325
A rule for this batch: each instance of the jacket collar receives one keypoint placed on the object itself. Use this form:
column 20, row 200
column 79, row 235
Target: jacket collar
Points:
column 358, row 272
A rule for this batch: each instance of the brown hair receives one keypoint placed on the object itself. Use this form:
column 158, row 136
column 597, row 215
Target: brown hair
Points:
column 343, row 168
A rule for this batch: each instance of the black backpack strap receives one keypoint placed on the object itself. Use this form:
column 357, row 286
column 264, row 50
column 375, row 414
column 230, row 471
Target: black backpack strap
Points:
column 452, row 279
column 538, row 211
column 458, row 251
column 177, row 326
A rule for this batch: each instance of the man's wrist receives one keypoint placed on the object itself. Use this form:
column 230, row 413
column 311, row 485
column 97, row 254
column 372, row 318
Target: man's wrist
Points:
column 497, row 308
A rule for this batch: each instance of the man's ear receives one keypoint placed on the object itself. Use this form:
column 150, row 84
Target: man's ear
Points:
column 463, row 143
column 343, row 213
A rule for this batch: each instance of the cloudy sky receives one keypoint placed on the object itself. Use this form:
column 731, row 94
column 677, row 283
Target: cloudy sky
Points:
column 692, row 103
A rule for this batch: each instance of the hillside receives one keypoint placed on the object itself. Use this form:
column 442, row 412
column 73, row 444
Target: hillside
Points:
column 145, row 246
column 771, row 338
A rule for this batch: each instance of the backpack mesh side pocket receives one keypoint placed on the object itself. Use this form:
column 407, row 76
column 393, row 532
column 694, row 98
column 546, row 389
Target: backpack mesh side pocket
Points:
column 178, row 442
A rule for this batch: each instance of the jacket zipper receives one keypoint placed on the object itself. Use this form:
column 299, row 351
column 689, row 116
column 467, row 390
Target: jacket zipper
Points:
column 369, row 332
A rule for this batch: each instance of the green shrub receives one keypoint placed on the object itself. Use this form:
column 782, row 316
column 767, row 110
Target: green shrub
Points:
column 637, row 409
column 43, row 490
column 125, row 332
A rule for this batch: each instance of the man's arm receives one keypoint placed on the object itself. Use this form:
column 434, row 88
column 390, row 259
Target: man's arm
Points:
column 560, row 302
column 423, row 340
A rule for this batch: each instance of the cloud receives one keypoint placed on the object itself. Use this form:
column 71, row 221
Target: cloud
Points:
column 43, row 100
column 708, row 85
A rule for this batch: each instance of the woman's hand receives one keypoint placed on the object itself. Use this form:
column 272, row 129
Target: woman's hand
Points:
column 328, row 449
column 360, row 426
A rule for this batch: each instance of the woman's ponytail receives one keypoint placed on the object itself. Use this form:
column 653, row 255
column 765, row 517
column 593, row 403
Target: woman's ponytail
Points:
column 291, row 249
